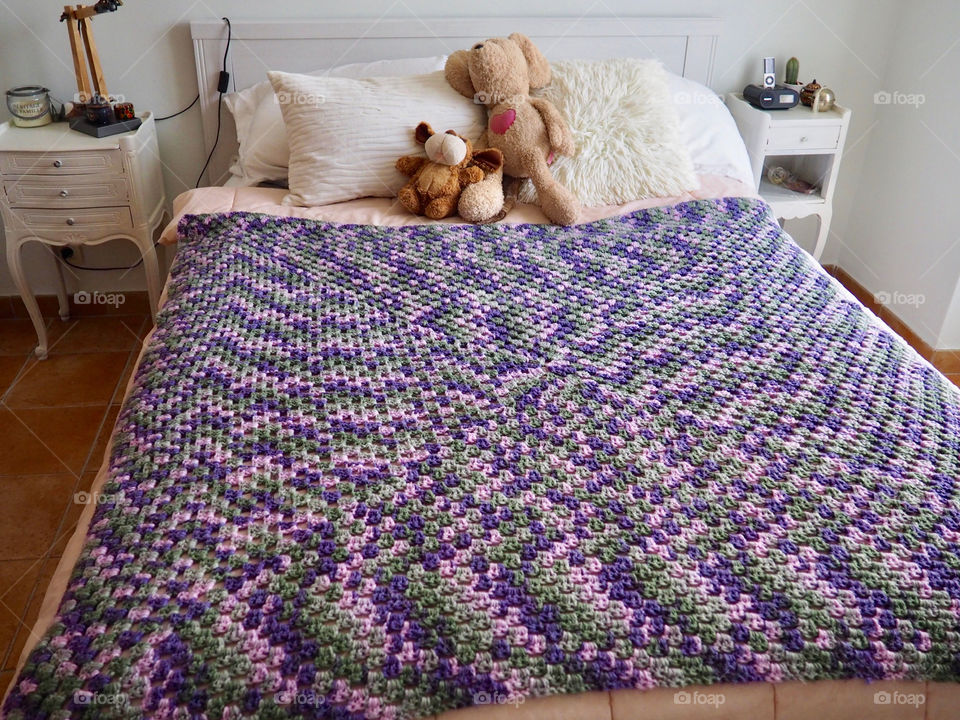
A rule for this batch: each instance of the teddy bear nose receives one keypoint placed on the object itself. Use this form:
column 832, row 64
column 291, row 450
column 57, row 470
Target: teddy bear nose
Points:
column 478, row 46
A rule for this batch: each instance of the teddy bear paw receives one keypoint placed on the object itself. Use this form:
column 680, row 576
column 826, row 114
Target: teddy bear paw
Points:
column 482, row 200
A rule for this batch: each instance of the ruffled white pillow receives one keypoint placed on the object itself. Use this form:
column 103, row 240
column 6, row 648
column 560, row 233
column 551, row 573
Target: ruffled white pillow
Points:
column 264, row 155
column 345, row 135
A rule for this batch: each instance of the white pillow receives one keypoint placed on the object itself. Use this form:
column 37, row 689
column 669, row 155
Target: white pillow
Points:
column 345, row 135
column 264, row 154
column 709, row 131
column 387, row 68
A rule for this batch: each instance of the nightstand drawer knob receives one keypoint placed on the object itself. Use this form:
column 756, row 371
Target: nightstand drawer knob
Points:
column 803, row 138
column 71, row 221
column 57, row 163
column 64, row 193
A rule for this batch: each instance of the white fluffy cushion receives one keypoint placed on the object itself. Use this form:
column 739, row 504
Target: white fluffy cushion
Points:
column 345, row 135
column 626, row 131
column 264, row 154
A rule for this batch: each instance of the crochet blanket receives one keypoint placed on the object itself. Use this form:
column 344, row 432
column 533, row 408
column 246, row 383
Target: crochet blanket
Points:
column 374, row 472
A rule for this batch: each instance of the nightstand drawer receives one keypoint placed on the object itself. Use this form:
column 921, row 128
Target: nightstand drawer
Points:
column 65, row 163
column 69, row 191
column 804, row 138
column 79, row 223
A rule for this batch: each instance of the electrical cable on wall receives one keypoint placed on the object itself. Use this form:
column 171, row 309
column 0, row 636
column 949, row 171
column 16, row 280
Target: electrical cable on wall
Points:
column 180, row 112
column 222, row 86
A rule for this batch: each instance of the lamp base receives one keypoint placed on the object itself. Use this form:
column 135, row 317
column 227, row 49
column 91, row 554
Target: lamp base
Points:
column 81, row 124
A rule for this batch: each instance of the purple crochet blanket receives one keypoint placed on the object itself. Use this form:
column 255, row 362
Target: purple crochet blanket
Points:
column 372, row 472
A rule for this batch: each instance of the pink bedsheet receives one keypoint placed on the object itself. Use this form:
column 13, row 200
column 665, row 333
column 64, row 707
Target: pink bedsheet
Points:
column 387, row 211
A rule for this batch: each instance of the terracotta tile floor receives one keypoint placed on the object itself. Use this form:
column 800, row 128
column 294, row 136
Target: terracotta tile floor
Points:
column 56, row 416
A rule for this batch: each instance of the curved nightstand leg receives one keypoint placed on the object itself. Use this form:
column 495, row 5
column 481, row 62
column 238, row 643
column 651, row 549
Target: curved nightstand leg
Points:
column 16, row 271
column 823, row 218
column 151, row 269
column 62, row 299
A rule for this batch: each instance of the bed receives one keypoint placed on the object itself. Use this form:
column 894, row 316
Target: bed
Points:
column 657, row 464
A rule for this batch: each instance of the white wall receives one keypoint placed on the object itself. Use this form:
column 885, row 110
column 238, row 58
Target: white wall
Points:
column 903, row 242
column 147, row 56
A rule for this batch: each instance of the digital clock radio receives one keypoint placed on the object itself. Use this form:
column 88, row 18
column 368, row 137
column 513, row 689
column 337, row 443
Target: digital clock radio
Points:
column 778, row 97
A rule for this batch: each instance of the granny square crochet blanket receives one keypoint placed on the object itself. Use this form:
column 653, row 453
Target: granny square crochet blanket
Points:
column 372, row 472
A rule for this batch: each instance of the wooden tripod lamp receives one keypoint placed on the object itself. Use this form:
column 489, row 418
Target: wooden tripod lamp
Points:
column 79, row 28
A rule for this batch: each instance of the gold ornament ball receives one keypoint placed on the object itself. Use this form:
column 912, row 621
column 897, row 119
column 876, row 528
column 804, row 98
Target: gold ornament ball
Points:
column 825, row 100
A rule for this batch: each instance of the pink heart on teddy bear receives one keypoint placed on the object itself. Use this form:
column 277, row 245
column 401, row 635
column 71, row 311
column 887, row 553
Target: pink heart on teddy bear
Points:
column 501, row 123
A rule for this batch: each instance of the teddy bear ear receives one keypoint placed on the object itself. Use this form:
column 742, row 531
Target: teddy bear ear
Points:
column 538, row 69
column 423, row 132
column 489, row 160
column 457, row 72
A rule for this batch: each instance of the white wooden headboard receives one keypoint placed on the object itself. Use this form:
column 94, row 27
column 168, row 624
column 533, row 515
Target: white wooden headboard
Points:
column 685, row 46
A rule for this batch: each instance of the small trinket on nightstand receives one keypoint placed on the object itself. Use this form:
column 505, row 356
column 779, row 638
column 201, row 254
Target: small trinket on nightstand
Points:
column 808, row 92
column 124, row 111
column 823, row 100
column 99, row 112
column 781, row 176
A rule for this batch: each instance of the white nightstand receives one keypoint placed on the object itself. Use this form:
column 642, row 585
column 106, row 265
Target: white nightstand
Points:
column 61, row 187
column 807, row 143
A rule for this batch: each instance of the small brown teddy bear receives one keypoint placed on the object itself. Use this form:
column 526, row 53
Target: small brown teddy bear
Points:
column 500, row 73
column 437, row 180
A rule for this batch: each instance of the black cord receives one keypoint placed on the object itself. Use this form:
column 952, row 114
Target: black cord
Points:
column 227, row 48
column 167, row 117
column 137, row 264
column 215, row 141
column 104, row 269
column 222, row 87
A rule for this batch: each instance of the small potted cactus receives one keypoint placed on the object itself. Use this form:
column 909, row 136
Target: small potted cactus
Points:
column 790, row 75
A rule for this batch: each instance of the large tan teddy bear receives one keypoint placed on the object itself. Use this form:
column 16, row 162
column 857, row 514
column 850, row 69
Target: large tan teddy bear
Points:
column 500, row 73
column 437, row 180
